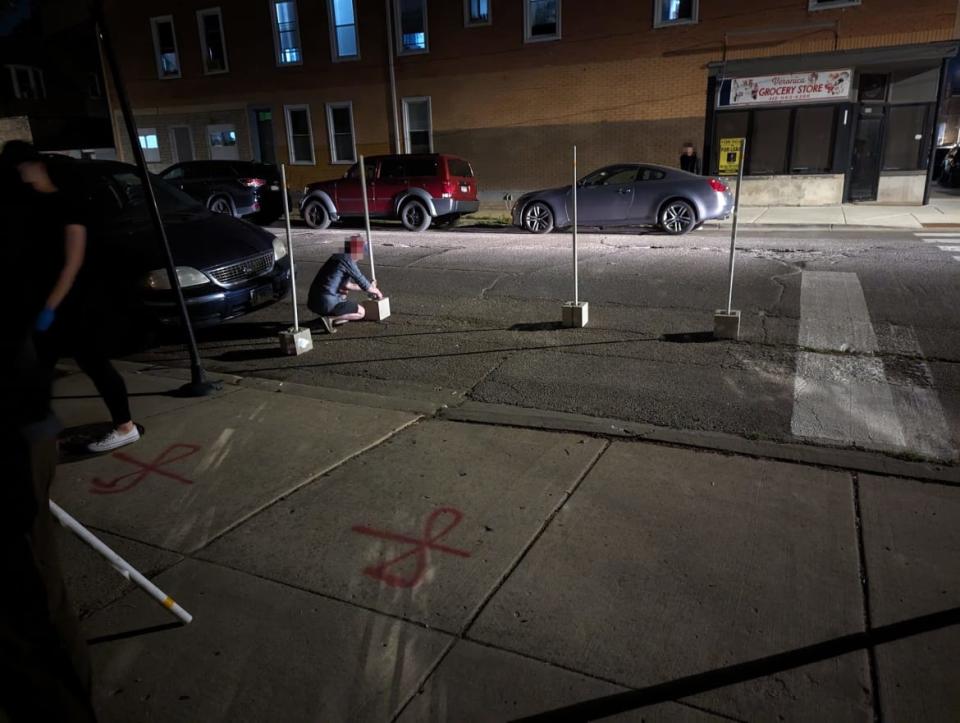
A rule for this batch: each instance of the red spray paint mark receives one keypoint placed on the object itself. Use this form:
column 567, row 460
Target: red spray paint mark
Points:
column 420, row 548
column 166, row 457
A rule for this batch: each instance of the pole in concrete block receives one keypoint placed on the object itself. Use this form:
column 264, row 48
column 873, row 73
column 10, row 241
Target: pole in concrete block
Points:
column 575, row 313
column 374, row 309
column 726, row 324
column 294, row 341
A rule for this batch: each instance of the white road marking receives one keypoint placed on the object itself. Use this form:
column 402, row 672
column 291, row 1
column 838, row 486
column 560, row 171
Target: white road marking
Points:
column 949, row 248
column 952, row 234
column 833, row 313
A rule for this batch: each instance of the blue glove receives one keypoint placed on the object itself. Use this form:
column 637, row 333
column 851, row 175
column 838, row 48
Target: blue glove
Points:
column 44, row 320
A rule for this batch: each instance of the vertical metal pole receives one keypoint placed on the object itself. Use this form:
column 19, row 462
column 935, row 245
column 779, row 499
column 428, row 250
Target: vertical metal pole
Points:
column 198, row 385
column 576, row 274
column 293, row 276
column 393, row 79
column 366, row 217
column 736, row 216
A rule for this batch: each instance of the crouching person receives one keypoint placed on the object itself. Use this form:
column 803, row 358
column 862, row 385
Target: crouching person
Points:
column 335, row 279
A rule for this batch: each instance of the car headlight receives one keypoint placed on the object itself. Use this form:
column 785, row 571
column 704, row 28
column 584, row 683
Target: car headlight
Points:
column 279, row 249
column 187, row 275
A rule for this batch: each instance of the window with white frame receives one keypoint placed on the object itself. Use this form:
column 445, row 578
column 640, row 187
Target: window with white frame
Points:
column 418, row 122
column 343, row 29
column 213, row 45
column 411, row 24
column 340, row 129
column 27, row 82
column 299, row 135
column 286, row 32
column 150, row 144
column 476, row 12
column 165, row 47
column 541, row 20
column 828, row 4
column 675, row 12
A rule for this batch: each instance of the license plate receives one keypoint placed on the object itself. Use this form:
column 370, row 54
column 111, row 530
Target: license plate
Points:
column 261, row 295
column 464, row 188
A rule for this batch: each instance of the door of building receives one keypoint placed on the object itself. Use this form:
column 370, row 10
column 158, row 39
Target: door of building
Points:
column 182, row 144
column 263, row 119
column 867, row 148
column 222, row 142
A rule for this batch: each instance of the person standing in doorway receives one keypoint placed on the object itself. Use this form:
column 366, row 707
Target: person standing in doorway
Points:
column 338, row 276
column 689, row 160
column 63, row 290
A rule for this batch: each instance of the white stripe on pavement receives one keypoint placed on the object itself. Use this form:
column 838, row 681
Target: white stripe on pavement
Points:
column 938, row 235
column 833, row 313
column 949, row 248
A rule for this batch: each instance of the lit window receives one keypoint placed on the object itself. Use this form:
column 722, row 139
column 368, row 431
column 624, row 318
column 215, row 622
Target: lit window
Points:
column 675, row 12
column 343, row 29
column 286, row 32
column 417, row 118
column 150, row 144
column 476, row 12
column 27, row 82
column 541, row 20
column 165, row 47
column 212, row 43
column 411, row 26
column 340, row 128
column 828, row 4
column 299, row 135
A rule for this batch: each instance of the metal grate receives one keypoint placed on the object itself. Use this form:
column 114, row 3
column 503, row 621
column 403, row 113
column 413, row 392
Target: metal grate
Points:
column 249, row 268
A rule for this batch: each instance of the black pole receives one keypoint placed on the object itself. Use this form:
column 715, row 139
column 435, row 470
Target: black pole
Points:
column 199, row 385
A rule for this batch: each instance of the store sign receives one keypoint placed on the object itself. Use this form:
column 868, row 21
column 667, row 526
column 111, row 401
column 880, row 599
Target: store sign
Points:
column 788, row 88
column 729, row 159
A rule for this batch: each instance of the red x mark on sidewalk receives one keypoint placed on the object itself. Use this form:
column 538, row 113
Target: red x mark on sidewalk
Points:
column 106, row 487
column 419, row 549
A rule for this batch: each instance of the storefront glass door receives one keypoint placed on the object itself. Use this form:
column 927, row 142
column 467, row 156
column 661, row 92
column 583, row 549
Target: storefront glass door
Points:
column 865, row 167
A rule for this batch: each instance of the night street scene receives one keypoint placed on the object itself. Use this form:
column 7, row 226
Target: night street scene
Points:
column 480, row 360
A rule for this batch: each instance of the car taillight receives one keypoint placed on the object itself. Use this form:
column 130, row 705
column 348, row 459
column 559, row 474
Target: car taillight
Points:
column 252, row 182
column 718, row 186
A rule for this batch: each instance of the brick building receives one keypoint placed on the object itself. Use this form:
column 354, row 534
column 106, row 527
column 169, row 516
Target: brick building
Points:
column 512, row 84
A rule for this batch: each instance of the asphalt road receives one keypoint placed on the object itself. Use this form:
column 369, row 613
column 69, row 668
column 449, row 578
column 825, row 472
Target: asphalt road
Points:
column 848, row 338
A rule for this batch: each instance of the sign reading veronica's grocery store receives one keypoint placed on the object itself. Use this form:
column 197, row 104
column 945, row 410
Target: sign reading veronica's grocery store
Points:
column 787, row 88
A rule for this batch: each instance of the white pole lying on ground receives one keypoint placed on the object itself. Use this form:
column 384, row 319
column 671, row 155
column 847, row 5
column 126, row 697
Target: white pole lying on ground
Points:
column 293, row 341
column 375, row 309
column 121, row 565
column 575, row 312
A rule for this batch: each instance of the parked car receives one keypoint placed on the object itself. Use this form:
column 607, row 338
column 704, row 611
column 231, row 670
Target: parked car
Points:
column 416, row 189
column 237, row 188
column 227, row 267
column 950, row 168
column 628, row 194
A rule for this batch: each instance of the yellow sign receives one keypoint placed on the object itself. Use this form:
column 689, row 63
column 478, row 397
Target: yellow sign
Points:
column 729, row 161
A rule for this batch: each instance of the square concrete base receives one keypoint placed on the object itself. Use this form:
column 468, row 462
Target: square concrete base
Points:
column 377, row 309
column 575, row 314
column 295, row 342
column 726, row 325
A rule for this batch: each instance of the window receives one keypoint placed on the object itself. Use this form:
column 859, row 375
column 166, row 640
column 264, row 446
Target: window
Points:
column 675, row 12
column 165, row 47
column 612, row 176
column 150, row 144
column 767, row 147
column 812, row 139
column 459, row 168
column 872, row 87
column 340, row 129
column 411, row 26
column 27, row 82
column 476, row 12
column 905, row 138
column 343, row 29
column 828, row 4
column 94, row 88
column 299, row 135
column 417, row 120
column 541, row 20
column 369, row 170
column 286, row 32
column 212, row 42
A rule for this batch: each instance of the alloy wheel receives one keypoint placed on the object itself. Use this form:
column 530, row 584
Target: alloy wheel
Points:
column 221, row 205
column 537, row 218
column 677, row 218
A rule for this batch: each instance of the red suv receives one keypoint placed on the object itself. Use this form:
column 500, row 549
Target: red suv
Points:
column 417, row 189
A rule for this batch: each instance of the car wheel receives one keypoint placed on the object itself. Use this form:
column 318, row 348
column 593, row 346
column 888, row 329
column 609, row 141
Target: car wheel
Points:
column 316, row 215
column 221, row 204
column 677, row 217
column 414, row 216
column 538, row 218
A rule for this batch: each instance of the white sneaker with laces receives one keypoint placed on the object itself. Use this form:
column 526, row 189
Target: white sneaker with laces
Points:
column 114, row 439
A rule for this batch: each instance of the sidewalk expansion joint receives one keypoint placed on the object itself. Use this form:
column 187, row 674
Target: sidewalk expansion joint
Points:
column 865, row 597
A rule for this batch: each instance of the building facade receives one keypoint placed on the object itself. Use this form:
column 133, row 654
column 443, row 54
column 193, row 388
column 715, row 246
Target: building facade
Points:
column 512, row 85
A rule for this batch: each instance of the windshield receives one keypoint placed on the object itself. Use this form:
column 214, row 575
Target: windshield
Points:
column 122, row 194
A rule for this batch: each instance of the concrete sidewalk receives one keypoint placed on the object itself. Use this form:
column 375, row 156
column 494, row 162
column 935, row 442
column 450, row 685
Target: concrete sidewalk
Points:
column 361, row 558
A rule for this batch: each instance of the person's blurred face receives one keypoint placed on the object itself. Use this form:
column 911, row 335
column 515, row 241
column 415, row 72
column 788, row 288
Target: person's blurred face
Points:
column 688, row 150
column 33, row 172
column 355, row 248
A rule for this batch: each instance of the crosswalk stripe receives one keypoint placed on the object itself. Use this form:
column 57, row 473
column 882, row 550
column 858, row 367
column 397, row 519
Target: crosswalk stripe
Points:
column 949, row 248
column 952, row 234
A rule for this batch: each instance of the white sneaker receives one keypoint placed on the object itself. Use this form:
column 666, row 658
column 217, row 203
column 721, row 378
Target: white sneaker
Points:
column 114, row 439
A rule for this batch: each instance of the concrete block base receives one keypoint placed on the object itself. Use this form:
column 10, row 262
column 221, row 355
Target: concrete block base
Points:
column 726, row 325
column 377, row 309
column 295, row 342
column 575, row 314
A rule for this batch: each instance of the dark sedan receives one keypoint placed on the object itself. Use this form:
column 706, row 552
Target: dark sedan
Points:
column 238, row 188
column 628, row 194
column 227, row 267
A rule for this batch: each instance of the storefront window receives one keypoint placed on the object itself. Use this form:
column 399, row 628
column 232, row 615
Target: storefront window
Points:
column 905, row 133
column 812, row 139
column 767, row 147
column 730, row 125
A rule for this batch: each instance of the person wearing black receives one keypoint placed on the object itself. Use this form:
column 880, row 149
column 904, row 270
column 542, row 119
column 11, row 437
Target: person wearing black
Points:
column 689, row 161
column 65, row 292
column 338, row 276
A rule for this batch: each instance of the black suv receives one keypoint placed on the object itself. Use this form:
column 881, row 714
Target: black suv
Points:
column 238, row 188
